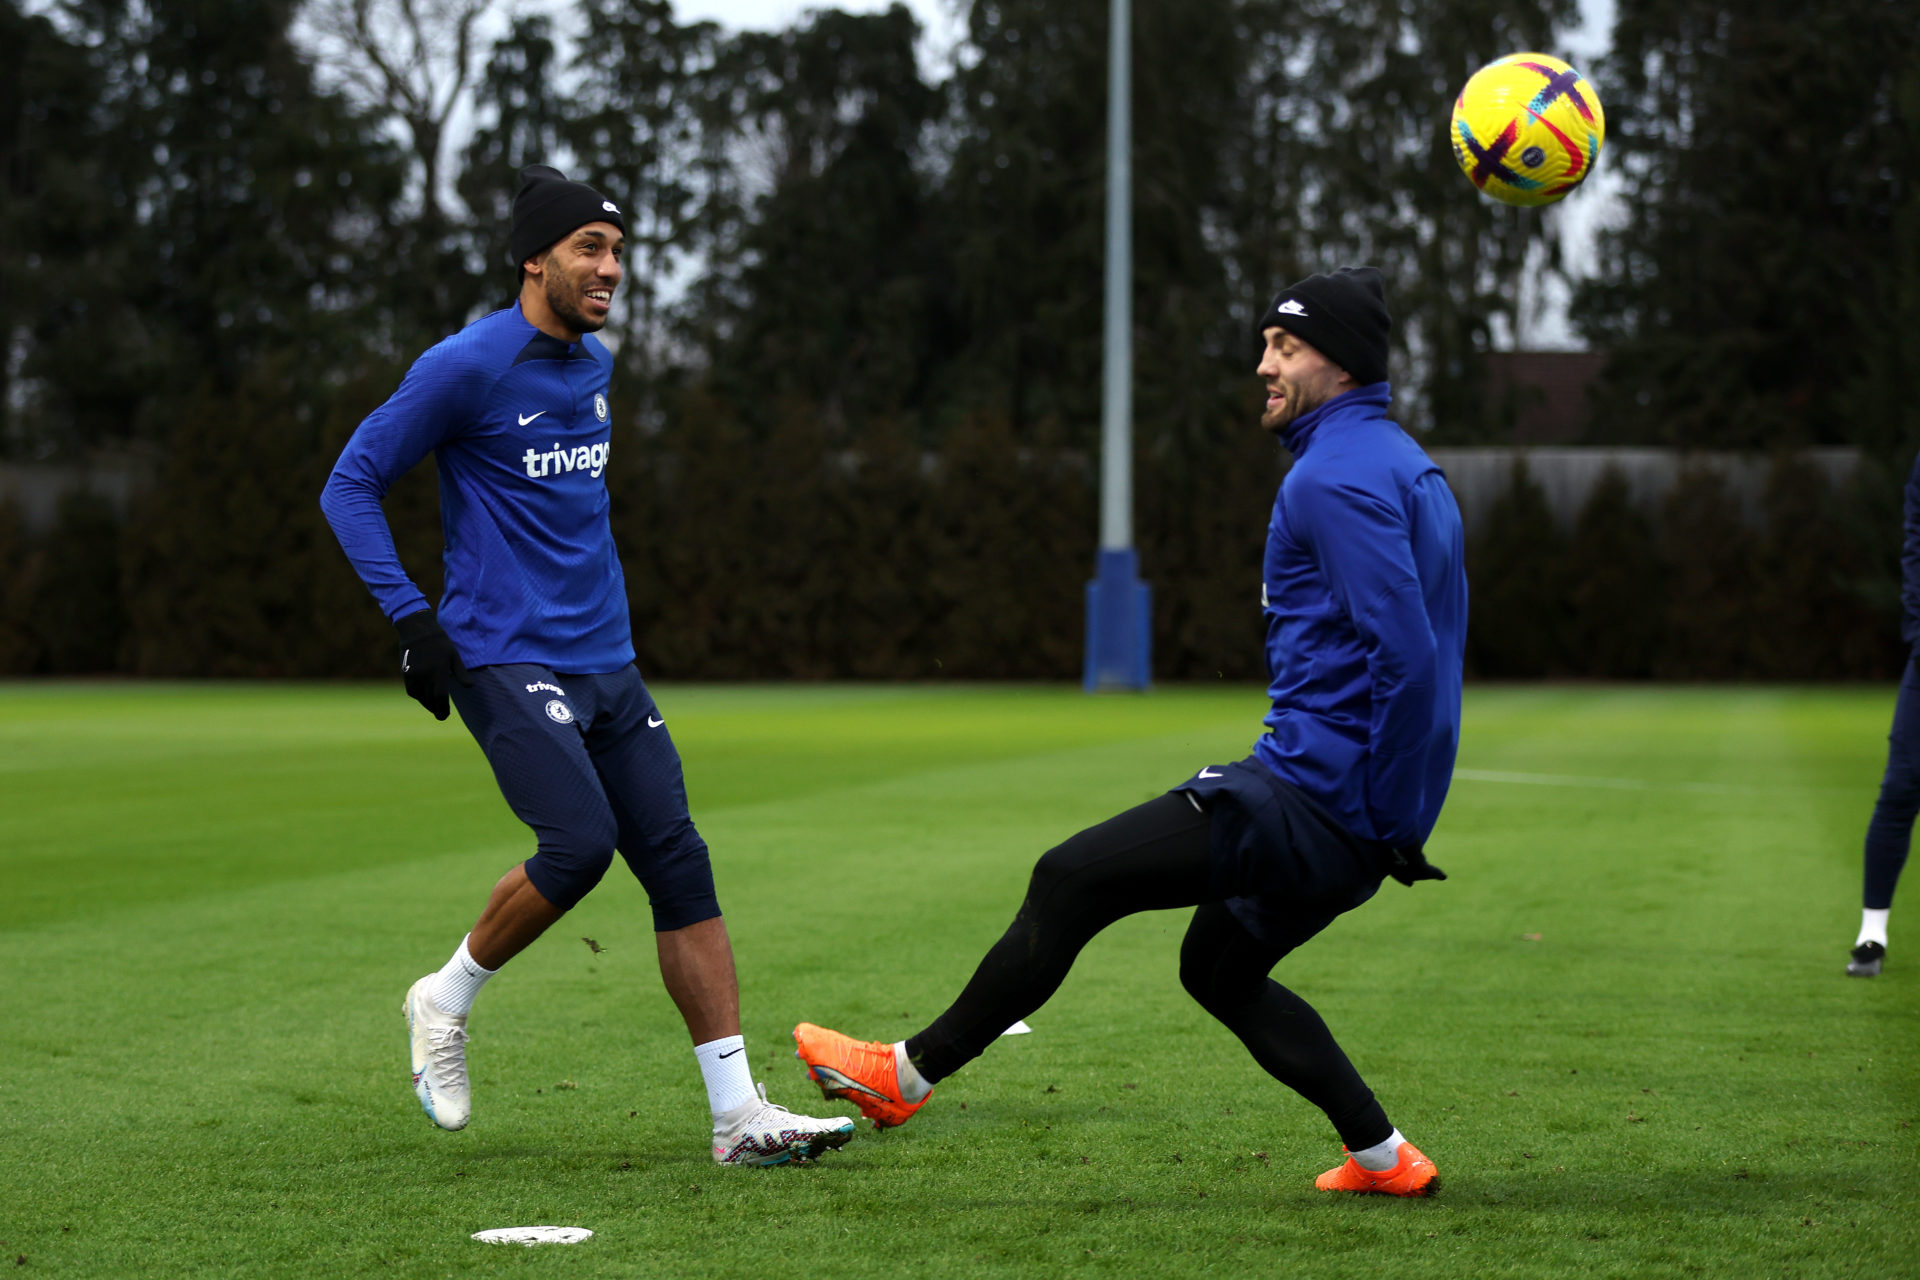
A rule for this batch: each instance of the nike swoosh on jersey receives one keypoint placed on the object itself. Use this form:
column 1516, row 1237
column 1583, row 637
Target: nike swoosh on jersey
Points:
column 530, row 417
column 653, row 723
column 1209, row 773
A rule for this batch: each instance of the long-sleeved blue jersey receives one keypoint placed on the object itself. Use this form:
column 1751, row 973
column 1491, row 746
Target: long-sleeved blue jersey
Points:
column 1365, row 598
column 518, row 423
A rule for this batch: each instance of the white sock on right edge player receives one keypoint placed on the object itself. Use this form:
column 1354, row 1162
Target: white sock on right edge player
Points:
column 1871, row 946
column 1873, row 925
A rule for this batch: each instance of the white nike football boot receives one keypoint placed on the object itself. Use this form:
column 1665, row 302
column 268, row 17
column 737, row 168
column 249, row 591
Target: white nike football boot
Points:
column 439, row 1043
column 758, row 1132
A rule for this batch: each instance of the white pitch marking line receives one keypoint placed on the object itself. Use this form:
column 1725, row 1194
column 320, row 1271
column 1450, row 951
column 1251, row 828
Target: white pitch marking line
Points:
column 1610, row 784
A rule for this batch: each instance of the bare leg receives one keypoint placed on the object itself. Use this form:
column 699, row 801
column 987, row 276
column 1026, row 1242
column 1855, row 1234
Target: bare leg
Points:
column 696, row 964
column 515, row 915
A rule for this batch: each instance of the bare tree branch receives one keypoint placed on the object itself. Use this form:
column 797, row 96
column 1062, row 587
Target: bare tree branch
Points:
column 409, row 59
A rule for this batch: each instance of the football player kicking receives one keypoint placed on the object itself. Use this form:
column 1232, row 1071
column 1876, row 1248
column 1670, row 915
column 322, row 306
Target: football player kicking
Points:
column 532, row 643
column 1365, row 598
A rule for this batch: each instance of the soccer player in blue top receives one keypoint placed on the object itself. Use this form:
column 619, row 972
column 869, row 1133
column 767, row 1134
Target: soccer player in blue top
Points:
column 1365, row 597
column 531, row 643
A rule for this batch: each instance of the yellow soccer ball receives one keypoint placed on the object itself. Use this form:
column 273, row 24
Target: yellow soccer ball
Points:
column 1527, row 129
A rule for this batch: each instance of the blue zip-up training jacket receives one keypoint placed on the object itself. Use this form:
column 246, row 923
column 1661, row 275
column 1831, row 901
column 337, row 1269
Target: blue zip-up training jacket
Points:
column 1366, row 605
column 518, row 424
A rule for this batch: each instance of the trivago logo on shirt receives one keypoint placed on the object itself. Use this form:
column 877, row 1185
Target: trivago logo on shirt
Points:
column 590, row 458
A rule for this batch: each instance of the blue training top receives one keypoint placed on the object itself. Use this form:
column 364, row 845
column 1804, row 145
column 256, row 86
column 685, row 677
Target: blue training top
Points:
column 1365, row 597
column 518, row 425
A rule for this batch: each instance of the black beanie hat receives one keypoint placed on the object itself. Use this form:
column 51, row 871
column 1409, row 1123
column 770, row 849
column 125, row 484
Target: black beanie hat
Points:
column 547, row 207
column 1344, row 315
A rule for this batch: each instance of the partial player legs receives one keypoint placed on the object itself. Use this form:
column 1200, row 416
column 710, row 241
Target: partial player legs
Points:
column 1890, row 831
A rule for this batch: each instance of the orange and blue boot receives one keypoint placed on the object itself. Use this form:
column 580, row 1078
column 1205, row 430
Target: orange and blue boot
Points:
column 1412, row 1175
column 857, row 1071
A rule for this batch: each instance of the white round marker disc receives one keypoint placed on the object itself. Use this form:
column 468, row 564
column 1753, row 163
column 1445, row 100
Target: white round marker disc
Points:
column 534, row 1235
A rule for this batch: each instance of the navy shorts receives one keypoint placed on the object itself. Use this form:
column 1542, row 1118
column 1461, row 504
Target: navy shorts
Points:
column 586, row 761
column 1285, row 868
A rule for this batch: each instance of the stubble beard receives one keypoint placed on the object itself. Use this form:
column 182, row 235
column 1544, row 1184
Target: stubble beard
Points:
column 1297, row 402
column 562, row 298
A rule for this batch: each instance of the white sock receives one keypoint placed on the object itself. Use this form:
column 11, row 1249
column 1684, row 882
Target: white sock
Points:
column 913, row 1085
column 1381, row 1158
column 723, row 1065
column 1873, row 926
column 456, row 985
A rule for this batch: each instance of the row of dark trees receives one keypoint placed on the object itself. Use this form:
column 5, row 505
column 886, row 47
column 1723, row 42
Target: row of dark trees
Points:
column 857, row 395
column 1699, row 589
column 940, row 566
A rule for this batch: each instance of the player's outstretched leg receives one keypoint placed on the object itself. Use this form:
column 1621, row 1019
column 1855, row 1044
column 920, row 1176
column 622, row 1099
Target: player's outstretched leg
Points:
column 438, row 1043
column 758, row 1132
column 863, row 1072
column 1152, row 857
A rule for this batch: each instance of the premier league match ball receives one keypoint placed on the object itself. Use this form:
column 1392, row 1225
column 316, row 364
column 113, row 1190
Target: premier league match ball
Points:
column 1527, row 129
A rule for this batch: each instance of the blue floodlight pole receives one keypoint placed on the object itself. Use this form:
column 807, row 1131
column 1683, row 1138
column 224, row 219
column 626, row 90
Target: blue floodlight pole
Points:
column 1119, row 605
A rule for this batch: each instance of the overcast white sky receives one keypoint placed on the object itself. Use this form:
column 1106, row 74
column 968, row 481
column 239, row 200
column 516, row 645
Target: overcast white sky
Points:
column 937, row 16
column 1575, row 221
column 943, row 24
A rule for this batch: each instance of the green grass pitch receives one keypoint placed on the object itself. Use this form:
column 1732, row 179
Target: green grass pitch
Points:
column 1621, row 1029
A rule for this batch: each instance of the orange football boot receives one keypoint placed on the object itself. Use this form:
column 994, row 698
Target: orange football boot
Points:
column 1412, row 1175
column 857, row 1071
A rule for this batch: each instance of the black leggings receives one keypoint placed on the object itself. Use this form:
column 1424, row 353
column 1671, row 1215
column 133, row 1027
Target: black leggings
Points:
column 1152, row 858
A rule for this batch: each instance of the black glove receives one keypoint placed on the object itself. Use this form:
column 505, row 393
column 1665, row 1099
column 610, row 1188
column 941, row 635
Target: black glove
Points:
column 427, row 658
column 1410, row 864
